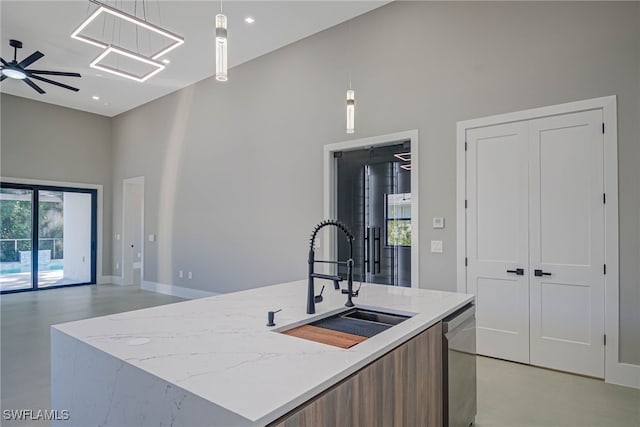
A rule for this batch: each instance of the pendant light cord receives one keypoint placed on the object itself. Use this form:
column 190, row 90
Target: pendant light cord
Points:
column 351, row 51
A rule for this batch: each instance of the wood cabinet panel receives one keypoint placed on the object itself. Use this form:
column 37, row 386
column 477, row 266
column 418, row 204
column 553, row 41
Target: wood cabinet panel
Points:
column 402, row 388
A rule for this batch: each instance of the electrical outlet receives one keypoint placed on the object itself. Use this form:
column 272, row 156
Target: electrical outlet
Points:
column 190, row 275
column 436, row 247
column 180, row 274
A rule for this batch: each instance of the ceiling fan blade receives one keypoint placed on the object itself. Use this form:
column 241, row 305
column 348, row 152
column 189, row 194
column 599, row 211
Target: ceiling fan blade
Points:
column 4, row 62
column 42, row 79
column 34, row 86
column 30, row 59
column 54, row 73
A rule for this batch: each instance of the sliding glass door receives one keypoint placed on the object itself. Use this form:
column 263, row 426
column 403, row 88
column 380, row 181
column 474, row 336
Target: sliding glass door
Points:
column 16, row 231
column 48, row 237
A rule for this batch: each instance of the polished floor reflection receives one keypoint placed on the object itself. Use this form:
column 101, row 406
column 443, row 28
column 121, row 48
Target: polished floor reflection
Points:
column 25, row 319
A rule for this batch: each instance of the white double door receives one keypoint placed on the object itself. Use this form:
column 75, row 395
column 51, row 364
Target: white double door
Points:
column 535, row 240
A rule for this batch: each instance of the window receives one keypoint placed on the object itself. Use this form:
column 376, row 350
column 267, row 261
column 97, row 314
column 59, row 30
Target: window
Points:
column 47, row 236
column 399, row 219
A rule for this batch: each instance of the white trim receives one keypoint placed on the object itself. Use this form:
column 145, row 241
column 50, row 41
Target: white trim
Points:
column 105, row 280
column 114, row 280
column 537, row 113
column 461, row 214
column 615, row 371
column 176, row 291
column 624, row 374
column 126, row 181
column 99, row 213
column 329, row 187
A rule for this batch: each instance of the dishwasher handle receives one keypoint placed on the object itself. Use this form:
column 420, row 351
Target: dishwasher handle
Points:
column 456, row 319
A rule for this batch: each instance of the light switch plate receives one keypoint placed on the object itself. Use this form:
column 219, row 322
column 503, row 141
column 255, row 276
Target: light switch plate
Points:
column 436, row 246
column 152, row 237
column 438, row 222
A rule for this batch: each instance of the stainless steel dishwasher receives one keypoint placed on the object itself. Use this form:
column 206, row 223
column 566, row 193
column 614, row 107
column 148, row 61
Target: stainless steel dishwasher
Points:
column 459, row 363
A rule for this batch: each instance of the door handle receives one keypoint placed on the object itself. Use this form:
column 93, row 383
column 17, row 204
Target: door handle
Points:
column 367, row 249
column 518, row 271
column 540, row 273
column 376, row 250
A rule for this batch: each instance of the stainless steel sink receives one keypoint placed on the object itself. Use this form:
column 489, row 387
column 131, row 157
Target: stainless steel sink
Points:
column 375, row 316
column 361, row 322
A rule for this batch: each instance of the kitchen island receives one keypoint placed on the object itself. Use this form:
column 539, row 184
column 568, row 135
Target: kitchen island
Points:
column 214, row 362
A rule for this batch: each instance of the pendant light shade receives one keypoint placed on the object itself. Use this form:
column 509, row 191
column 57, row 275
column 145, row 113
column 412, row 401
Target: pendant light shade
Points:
column 221, row 48
column 351, row 111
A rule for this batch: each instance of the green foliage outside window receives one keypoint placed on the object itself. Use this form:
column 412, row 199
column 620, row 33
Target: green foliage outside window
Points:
column 399, row 232
column 398, row 212
column 15, row 223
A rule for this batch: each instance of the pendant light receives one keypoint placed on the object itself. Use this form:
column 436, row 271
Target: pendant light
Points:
column 351, row 101
column 221, row 46
column 115, row 46
column 351, row 110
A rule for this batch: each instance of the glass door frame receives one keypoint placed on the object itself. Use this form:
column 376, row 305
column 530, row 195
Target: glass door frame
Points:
column 35, row 238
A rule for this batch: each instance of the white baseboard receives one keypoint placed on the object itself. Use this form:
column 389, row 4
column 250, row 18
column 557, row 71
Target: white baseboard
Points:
column 116, row 280
column 624, row 374
column 177, row 291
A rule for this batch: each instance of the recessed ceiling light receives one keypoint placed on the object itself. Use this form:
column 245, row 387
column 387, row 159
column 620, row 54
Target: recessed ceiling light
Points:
column 249, row 20
column 95, row 98
column 166, row 61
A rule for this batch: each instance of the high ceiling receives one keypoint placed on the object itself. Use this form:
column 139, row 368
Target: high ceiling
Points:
column 46, row 26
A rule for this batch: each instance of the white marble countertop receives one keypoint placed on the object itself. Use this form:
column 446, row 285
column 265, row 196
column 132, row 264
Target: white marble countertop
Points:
column 220, row 349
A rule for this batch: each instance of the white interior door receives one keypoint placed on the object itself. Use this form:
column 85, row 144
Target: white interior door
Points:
column 567, row 242
column 133, row 241
column 497, row 238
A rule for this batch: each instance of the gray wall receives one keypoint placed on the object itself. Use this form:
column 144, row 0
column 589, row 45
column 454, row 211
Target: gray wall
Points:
column 47, row 142
column 234, row 171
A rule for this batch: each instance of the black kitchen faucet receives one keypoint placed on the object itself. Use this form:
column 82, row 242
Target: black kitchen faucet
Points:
column 311, row 298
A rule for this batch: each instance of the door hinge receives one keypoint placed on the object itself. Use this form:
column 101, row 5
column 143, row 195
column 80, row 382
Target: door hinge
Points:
column 602, row 127
column 465, row 146
column 466, row 261
column 604, row 198
column 604, row 339
column 605, row 269
column 465, row 203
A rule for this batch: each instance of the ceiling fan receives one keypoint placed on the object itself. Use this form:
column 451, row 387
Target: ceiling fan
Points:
column 17, row 70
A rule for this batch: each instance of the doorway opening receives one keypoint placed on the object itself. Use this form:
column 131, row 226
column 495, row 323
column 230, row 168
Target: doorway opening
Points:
column 133, row 231
column 48, row 237
column 371, row 187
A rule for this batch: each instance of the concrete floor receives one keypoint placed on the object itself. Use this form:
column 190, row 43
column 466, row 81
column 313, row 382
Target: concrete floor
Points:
column 509, row 394
column 25, row 319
